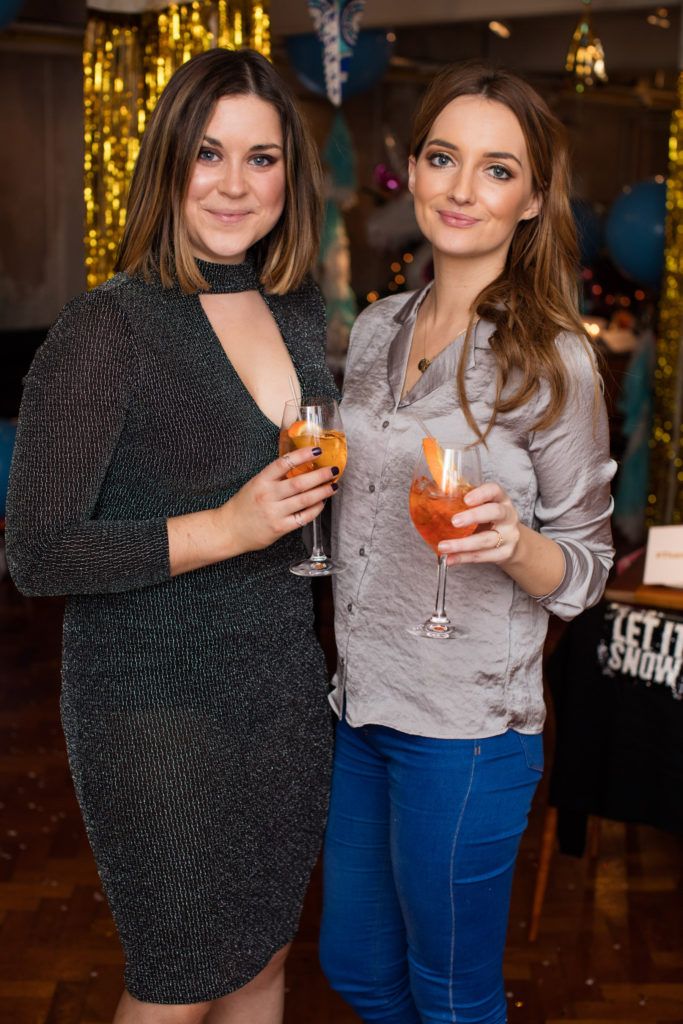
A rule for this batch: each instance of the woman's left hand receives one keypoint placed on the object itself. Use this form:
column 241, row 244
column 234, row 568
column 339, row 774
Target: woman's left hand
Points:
column 498, row 530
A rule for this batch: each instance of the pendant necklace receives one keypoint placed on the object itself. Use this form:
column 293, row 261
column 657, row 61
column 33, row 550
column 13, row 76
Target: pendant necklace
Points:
column 425, row 363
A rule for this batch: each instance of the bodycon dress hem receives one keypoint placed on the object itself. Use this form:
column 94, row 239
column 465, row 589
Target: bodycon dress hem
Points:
column 212, row 992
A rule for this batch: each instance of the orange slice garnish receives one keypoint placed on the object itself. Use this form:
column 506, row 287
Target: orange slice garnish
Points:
column 434, row 457
column 302, row 434
column 298, row 428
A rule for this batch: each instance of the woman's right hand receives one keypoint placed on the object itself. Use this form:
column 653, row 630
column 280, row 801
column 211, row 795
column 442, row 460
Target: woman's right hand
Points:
column 265, row 509
column 272, row 504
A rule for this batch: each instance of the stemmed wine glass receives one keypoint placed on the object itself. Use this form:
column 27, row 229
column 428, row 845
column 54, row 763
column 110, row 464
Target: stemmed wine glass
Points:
column 314, row 423
column 444, row 473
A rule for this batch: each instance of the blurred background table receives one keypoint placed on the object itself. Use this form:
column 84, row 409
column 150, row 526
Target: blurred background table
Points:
column 628, row 588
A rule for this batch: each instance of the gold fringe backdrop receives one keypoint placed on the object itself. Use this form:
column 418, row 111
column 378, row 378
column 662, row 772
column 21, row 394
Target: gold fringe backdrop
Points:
column 665, row 500
column 127, row 61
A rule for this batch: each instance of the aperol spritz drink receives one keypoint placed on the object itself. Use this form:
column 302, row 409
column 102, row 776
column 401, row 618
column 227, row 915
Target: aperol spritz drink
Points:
column 443, row 475
column 432, row 512
column 305, row 433
column 314, row 423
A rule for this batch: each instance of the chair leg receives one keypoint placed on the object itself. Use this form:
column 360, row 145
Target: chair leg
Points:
column 544, row 859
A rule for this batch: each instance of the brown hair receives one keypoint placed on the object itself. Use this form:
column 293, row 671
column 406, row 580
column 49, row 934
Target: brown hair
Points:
column 155, row 239
column 536, row 296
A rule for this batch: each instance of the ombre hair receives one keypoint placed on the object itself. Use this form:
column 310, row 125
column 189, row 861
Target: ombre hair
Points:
column 155, row 241
column 536, row 296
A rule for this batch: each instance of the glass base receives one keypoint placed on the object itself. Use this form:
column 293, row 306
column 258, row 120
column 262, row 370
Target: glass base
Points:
column 435, row 630
column 311, row 567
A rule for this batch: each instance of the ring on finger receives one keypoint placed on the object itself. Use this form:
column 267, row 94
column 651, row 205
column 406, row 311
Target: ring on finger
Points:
column 498, row 535
column 286, row 458
column 297, row 516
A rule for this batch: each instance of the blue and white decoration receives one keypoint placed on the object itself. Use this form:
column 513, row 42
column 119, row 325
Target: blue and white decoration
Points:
column 337, row 23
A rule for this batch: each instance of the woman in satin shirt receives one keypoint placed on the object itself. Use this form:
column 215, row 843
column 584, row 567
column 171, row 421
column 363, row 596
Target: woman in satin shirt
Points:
column 439, row 746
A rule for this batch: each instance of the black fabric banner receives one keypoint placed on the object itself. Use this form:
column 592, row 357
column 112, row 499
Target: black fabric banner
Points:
column 617, row 688
column 643, row 644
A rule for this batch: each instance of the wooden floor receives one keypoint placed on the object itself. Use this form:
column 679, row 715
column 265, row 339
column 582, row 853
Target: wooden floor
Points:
column 610, row 949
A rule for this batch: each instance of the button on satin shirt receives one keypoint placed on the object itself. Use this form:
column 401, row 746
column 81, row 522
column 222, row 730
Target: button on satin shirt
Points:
column 489, row 679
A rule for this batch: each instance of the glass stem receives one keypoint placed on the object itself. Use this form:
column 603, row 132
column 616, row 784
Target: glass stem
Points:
column 317, row 554
column 439, row 615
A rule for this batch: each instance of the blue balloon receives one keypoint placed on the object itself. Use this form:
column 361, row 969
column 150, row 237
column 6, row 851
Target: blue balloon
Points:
column 590, row 231
column 8, row 11
column 367, row 65
column 635, row 232
column 8, row 432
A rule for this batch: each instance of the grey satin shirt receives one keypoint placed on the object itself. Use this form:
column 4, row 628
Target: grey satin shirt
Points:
column 489, row 680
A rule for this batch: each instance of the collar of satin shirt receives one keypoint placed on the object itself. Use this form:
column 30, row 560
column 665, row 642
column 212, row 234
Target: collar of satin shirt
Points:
column 443, row 366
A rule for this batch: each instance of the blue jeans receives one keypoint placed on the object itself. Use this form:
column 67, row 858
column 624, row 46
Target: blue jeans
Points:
column 420, row 852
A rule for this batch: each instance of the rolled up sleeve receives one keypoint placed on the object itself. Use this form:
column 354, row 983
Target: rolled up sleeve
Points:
column 574, row 505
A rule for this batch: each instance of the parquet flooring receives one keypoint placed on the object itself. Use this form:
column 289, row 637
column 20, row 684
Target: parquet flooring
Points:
column 610, row 949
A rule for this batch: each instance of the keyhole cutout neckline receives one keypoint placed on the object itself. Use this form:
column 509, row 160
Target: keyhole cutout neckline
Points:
column 230, row 278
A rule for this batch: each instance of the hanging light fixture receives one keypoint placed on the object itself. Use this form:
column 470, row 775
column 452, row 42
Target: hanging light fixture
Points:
column 585, row 57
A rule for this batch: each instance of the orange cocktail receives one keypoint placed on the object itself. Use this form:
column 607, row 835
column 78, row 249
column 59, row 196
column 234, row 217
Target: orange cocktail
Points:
column 315, row 423
column 302, row 434
column 444, row 474
column 432, row 511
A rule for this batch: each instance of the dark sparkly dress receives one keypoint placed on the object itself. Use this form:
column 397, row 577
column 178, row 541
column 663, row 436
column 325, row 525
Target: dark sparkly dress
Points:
column 194, row 707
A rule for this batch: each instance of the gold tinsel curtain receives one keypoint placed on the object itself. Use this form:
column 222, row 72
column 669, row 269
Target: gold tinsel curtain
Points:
column 127, row 60
column 665, row 501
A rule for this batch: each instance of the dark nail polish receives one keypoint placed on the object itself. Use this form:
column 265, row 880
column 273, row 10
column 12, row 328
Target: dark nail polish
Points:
column 335, row 487
column 317, row 451
column 335, row 471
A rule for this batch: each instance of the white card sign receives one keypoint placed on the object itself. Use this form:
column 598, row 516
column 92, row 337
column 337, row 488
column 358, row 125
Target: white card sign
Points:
column 664, row 557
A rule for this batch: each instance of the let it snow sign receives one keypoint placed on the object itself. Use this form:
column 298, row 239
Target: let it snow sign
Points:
column 645, row 645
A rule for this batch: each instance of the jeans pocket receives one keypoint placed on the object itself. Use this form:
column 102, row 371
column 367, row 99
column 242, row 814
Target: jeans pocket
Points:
column 532, row 746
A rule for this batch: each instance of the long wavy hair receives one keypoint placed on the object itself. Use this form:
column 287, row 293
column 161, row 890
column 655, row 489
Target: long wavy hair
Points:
column 536, row 295
column 155, row 239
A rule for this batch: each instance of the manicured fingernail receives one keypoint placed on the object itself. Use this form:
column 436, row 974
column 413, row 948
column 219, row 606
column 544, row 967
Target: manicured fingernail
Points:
column 335, row 471
column 468, row 498
column 335, row 487
column 317, row 451
column 460, row 519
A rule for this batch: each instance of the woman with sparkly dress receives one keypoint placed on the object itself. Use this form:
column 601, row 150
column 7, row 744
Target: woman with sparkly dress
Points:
column 146, row 487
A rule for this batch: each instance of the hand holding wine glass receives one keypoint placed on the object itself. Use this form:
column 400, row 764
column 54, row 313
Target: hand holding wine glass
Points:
column 486, row 506
column 444, row 474
column 282, row 498
column 268, row 506
column 314, row 423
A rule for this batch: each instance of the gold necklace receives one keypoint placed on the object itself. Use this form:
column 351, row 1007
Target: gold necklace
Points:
column 425, row 363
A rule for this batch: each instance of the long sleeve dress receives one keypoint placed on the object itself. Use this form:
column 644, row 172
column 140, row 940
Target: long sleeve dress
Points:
column 194, row 707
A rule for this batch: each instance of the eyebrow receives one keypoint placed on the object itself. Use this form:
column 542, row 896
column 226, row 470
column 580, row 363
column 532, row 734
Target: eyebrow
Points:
column 259, row 146
column 489, row 156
